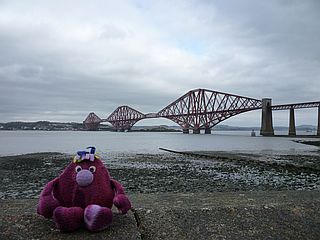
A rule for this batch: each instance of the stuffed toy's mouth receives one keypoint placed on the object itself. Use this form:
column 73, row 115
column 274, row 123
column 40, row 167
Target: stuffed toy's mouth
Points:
column 84, row 178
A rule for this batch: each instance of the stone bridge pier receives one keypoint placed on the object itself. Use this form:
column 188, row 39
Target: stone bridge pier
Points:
column 318, row 131
column 266, row 118
column 292, row 125
column 207, row 130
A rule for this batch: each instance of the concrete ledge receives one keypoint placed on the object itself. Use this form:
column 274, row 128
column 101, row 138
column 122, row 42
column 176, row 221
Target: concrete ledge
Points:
column 247, row 215
column 20, row 221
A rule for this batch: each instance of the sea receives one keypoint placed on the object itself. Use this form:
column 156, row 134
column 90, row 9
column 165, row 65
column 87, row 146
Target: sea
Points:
column 23, row 142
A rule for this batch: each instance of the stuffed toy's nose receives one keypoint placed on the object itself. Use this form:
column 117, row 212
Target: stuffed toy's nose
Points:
column 84, row 178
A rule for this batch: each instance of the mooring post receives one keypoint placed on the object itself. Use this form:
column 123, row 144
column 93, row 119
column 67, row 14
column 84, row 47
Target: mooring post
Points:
column 318, row 132
column 292, row 125
column 266, row 118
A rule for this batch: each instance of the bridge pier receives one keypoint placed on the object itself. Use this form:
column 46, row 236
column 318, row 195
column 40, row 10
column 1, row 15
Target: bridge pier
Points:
column 92, row 126
column 266, row 119
column 318, row 131
column 292, row 125
column 207, row 130
column 196, row 131
column 185, row 130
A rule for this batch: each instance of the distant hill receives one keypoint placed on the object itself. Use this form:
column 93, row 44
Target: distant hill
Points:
column 42, row 125
column 73, row 126
column 156, row 128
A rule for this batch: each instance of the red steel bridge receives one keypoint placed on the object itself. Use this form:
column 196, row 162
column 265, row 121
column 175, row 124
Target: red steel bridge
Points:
column 201, row 109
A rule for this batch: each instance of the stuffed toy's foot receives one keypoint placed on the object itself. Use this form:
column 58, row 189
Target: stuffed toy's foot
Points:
column 68, row 219
column 97, row 218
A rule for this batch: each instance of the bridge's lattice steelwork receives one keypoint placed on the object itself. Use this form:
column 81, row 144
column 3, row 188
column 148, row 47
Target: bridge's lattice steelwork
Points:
column 124, row 117
column 92, row 121
column 296, row 106
column 203, row 108
column 197, row 109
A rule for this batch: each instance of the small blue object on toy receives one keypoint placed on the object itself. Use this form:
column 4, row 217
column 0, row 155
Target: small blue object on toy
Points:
column 85, row 155
column 92, row 150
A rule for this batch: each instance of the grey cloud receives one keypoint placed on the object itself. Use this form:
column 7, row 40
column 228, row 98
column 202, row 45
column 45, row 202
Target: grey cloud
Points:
column 112, row 32
column 68, row 63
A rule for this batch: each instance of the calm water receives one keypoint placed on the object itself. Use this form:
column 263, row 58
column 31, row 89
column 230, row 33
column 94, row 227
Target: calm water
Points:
column 19, row 142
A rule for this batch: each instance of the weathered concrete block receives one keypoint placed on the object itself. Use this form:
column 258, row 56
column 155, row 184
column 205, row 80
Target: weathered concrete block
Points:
column 20, row 221
column 257, row 215
column 246, row 215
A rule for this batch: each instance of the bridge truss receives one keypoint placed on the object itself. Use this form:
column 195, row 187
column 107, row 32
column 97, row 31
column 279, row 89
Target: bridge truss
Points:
column 202, row 108
column 92, row 121
column 124, row 117
column 197, row 109
column 296, row 106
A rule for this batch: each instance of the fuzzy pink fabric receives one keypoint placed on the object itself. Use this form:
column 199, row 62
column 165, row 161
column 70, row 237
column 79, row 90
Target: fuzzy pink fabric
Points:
column 68, row 219
column 97, row 218
column 82, row 195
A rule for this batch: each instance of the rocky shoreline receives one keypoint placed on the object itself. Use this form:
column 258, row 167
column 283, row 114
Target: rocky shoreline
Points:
column 24, row 176
column 190, row 195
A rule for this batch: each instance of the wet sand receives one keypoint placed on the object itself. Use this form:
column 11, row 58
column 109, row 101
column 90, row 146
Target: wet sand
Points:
column 24, row 176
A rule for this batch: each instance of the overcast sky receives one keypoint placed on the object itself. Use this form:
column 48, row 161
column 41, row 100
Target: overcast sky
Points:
column 60, row 60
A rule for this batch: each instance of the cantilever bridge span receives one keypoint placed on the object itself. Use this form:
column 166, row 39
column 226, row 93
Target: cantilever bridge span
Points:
column 199, row 109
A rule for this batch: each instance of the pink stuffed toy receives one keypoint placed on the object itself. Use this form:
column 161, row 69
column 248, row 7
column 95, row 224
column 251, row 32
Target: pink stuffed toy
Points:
column 83, row 195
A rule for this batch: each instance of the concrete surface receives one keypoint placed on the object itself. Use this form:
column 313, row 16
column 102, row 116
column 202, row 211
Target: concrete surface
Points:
column 250, row 215
column 20, row 221
column 246, row 215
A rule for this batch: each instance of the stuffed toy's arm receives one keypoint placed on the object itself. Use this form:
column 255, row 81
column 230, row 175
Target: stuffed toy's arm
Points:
column 47, row 202
column 120, row 200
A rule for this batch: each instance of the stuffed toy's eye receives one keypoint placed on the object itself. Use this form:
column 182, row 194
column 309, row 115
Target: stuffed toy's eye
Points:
column 78, row 168
column 92, row 169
